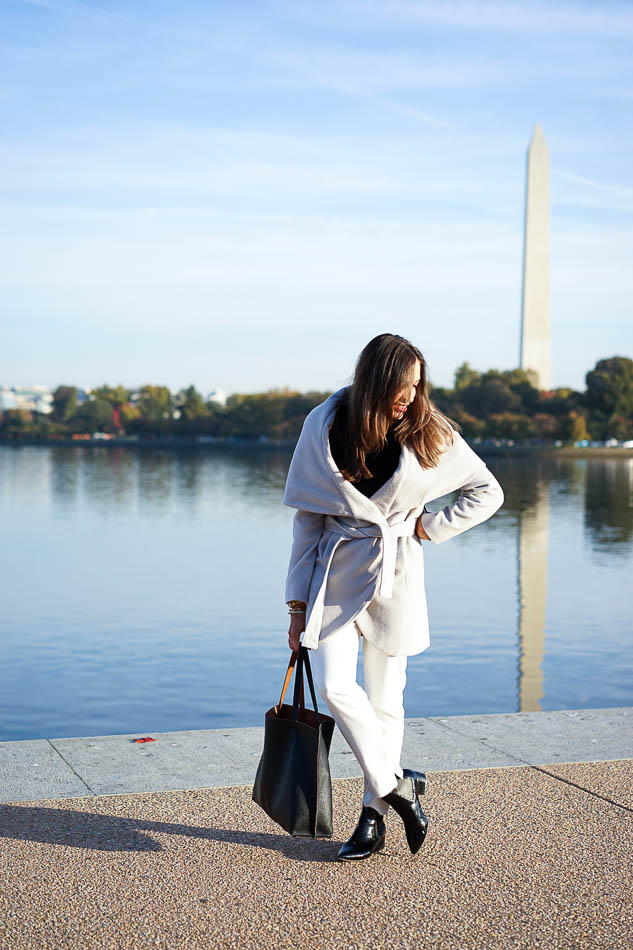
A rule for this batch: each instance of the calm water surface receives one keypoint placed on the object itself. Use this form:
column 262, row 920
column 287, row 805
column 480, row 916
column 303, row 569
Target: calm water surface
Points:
column 142, row 591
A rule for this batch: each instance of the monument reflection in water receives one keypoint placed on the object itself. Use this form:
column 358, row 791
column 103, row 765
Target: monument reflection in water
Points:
column 533, row 543
column 608, row 523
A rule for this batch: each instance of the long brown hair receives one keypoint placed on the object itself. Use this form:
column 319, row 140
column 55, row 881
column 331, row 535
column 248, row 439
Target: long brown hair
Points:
column 382, row 371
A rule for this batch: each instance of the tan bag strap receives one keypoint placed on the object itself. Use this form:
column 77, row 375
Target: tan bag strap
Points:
column 289, row 671
column 291, row 666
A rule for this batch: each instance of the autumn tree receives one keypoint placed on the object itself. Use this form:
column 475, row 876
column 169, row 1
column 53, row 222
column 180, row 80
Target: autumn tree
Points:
column 610, row 386
column 155, row 402
column 609, row 398
column 93, row 416
column 465, row 375
column 115, row 395
column 190, row 404
column 65, row 403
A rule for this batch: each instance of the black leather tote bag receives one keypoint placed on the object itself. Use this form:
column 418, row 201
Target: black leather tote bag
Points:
column 293, row 783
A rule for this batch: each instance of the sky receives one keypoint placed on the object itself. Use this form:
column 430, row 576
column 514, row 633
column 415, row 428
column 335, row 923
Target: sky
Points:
column 239, row 195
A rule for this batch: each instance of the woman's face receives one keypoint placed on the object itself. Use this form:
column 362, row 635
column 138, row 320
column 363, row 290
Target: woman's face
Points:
column 407, row 393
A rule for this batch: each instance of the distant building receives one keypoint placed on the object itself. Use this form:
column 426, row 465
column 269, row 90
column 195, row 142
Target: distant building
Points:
column 31, row 398
column 217, row 395
column 7, row 398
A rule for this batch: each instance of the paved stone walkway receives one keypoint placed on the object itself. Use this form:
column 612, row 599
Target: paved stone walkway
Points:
column 522, row 857
column 209, row 758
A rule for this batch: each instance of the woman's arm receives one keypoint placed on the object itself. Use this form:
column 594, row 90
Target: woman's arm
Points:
column 307, row 529
column 306, row 533
column 480, row 497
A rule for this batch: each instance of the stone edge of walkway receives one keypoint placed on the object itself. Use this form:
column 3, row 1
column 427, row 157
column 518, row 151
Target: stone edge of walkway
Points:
column 86, row 766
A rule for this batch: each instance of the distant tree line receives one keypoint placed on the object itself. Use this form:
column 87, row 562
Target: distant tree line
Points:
column 508, row 404
column 154, row 412
column 494, row 404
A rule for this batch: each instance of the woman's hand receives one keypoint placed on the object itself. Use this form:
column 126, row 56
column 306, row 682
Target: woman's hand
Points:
column 419, row 529
column 297, row 626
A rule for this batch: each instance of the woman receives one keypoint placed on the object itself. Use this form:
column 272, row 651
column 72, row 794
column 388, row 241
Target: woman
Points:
column 367, row 461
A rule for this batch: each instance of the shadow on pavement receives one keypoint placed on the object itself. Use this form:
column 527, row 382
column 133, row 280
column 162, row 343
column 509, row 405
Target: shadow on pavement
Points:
column 94, row 832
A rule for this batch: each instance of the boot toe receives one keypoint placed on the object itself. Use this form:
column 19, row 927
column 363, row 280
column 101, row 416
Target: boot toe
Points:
column 404, row 800
column 367, row 838
column 351, row 851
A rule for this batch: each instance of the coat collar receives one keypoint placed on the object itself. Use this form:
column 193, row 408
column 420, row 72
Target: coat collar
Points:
column 372, row 509
column 315, row 483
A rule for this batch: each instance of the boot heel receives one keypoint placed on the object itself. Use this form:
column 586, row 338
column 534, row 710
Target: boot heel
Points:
column 419, row 780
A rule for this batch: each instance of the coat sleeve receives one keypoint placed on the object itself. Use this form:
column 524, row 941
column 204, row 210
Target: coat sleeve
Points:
column 306, row 534
column 480, row 496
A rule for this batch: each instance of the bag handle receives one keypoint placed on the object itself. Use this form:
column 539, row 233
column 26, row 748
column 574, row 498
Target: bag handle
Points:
column 304, row 660
column 291, row 666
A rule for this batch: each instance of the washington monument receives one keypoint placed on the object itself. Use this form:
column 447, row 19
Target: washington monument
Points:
column 535, row 320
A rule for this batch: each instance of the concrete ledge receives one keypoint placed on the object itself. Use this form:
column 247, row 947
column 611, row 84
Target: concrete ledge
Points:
column 40, row 769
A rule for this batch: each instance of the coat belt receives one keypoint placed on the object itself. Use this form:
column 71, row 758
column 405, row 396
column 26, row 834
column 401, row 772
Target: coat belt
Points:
column 348, row 530
column 343, row 531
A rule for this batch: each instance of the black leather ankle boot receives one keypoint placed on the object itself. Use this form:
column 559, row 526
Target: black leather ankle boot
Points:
column 404, row 800
column 368, row 836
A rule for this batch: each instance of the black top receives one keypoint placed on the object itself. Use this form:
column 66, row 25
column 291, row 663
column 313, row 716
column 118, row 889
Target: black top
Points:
column 381, row 464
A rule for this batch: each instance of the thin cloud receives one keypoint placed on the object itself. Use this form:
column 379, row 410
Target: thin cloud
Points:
column 69, row 7
column 193, row 164
column 569, row 19
column 591, row 183
column 297, row 64
column 315, row 69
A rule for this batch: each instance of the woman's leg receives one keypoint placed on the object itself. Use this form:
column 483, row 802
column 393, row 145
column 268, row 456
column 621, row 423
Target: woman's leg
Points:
column 385, row 679
column 334, row 666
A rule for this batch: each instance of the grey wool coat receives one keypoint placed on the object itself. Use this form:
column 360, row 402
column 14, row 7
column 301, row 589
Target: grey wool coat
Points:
column 358, row 558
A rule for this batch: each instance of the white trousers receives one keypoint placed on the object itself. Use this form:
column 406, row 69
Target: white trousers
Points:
column 371, row 719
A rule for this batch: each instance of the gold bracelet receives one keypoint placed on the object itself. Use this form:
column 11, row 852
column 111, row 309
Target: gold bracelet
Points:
column 296, row 603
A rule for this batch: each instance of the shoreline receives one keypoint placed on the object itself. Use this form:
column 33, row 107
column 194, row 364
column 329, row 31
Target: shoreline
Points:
column 564, row 451
column 85, row 766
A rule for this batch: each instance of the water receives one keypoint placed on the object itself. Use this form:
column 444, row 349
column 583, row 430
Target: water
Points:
column 142, row 591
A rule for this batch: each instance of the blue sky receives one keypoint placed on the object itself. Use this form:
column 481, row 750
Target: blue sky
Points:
column 241, row 194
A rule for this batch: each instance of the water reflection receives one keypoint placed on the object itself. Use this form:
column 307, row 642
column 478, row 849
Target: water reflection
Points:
column 130, row 581
column 151, row 480
column 25, row 475
column 260, row 473
column 154, row 481
column 188, row 479
column 604, row 490
column 533, row 544
column 64, row 478
column 609, row 503
column 107, row 478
